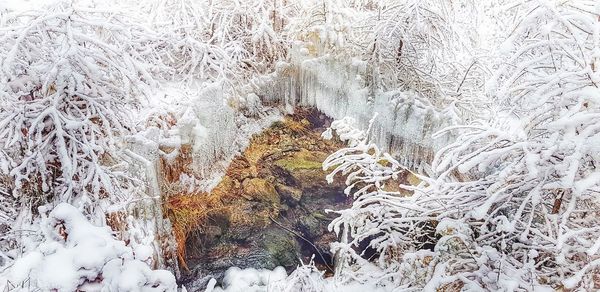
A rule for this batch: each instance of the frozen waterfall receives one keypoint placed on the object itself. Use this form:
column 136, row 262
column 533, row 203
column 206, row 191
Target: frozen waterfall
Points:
column 405, row 122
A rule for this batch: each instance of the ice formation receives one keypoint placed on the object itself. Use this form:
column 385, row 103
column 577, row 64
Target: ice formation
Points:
column 406, row 121
column 214, row 130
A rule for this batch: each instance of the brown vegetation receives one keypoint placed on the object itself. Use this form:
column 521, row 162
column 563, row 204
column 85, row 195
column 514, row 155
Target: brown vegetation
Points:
column 189, row 211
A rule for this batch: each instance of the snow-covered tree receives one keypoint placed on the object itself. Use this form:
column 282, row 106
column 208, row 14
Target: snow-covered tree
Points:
column 529, row 174
column 70, row 77
column 220, row 40
column 429, row 47
column 187, row 49
column 513, row 201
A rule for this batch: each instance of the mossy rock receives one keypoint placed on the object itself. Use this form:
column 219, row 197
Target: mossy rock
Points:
column 289, row 194
column 311, row 225
column 282, row 247
column 303, row 159
column 248, row 172
column 261, row 190
column 295, row 164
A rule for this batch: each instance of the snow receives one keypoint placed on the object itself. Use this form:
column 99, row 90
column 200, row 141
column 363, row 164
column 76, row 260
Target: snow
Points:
column 305, row 278
column 250, row 280
column 76, row 254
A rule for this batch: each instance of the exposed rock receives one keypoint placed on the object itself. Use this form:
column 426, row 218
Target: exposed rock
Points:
column 312, row 225
column 261, row 190
column 273, row 200
column 282, row 247
column 291, row 196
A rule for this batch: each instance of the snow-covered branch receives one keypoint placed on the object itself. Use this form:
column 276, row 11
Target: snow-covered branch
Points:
column 70, row 78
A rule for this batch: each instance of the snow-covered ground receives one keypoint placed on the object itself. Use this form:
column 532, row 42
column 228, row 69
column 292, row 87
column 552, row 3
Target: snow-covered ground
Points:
column 305, row 278
column 76, row 255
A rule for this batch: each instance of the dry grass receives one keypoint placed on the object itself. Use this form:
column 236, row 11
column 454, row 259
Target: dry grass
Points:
column 297, row 127
column 171, row 170
column 455, row 286
column 188, row 212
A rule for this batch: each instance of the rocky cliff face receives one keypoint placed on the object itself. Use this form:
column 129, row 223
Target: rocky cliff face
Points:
column 269, row 209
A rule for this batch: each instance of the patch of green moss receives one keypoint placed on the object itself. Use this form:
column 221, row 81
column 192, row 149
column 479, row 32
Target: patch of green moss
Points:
column 312, row 224
column 292, row 164
column 303, row 159
column 319, row 215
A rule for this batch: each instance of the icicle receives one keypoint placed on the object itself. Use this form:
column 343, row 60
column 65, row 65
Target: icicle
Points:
column 343, row 88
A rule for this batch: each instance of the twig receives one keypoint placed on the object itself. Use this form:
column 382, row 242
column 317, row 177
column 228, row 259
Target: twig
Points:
column 465, row 77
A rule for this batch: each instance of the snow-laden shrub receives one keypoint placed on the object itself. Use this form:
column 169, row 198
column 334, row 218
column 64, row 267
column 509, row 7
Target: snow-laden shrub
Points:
column 219, row 40
column 330, row 27
column 377, row 216
column 426, row 46
column 305, row 278
column 70, row 78
column 513, row 203
column 188, row 50
column 420, row 238
column 72, row 75
column 529, row 182
column 413, row 35
column 367, row 169
column 78, row 256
